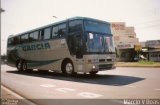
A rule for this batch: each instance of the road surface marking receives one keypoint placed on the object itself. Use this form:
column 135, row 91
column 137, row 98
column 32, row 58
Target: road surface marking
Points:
column 65, row 90
column 47, row 85
column 89, row 95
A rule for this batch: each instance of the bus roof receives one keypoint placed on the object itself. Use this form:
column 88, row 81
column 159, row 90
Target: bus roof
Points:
column 59, row 22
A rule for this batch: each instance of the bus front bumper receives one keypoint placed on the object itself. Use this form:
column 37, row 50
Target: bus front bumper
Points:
column 101, row 67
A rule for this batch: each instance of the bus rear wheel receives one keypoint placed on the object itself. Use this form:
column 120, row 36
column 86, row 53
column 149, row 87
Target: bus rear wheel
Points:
column 68, row 68
column 22, row 66
column 25, row 68
column 19, row 66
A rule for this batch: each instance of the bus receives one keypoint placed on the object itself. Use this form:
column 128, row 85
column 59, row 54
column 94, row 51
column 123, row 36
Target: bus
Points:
column 78, row 44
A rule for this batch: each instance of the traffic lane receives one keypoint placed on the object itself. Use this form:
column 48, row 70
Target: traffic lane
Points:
column 151, row 75
column 66, row 87
column 110, row 77
column 52, row 85
column 135, row 71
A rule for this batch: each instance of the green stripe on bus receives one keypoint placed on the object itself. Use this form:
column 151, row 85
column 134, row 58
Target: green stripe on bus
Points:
column 32, row 63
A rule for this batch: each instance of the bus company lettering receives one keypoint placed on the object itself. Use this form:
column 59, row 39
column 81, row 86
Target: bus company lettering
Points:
column 38, row 46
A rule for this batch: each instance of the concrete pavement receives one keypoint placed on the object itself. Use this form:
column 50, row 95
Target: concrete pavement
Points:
column 122, row 83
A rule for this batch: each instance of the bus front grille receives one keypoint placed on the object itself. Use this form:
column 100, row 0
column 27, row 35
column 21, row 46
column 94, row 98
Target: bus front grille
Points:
column 101, row 60
column 109, row 59
column 105, row 66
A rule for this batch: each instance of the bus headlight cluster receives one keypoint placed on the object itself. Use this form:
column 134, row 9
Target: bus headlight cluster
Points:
column 93, row 67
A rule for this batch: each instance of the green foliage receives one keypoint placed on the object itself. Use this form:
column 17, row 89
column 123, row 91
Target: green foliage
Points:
column 146, row 62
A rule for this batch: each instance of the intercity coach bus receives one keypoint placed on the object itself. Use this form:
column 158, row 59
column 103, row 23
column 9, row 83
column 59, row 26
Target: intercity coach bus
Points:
column 78, row 44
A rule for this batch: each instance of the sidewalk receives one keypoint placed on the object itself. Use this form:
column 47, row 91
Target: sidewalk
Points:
column 138, row 64
column 6, row 94
column 8, row 97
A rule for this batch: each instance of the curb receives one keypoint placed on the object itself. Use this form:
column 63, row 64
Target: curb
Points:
column 19, row 100
column 141, row 66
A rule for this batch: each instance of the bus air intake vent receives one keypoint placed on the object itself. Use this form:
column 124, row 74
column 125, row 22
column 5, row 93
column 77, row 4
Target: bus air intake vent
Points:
column 109, row 59
column 101, row 60
column 105, row 66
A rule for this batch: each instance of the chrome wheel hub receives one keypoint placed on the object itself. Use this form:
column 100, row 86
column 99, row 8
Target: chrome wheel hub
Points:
column 69, row 68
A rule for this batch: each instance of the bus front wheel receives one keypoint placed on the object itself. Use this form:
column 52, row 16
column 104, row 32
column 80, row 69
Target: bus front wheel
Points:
column 68, row 68
column 22, row 66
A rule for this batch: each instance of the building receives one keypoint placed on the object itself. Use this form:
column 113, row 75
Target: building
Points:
column 127, row 45
column 153, row 50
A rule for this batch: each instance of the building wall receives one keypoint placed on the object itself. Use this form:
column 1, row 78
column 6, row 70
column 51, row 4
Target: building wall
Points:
column 125, row 40
column 154, row 56
column 153, row 50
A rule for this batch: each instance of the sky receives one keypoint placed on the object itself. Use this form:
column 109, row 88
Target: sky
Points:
column 23, row 15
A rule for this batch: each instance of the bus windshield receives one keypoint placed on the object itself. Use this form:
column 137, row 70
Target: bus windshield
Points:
column 99, row 27
column 100, row 43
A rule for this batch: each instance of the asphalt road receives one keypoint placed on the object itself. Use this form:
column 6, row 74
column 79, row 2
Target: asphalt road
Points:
column 121, row 83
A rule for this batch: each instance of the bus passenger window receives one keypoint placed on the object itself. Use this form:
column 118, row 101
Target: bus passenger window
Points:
column 10, row 42
column 62, row 30
column 16, row 40
column 55, row 32
column 47, row 33
column 24, row 38
column 41, row 34
column 33, row 36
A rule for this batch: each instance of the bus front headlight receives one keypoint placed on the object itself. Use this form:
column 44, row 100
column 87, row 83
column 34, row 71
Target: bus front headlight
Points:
column 93, row 67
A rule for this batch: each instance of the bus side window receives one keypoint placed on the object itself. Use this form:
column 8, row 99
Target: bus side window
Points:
column 55, row 32
column 24, row 38
column 10, row 42
column 41, row 34
column 33, row 36
column 62, row 30
column 75, row 26
column 16, row 40
column 47, row 33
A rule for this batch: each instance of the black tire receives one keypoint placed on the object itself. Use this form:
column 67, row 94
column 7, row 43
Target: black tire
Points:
column 24, row 66
column 93, row 72
column 68, row 68
column 19, row 66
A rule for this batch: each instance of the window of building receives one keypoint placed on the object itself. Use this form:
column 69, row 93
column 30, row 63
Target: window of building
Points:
column 123, row 54
column 131, row 36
